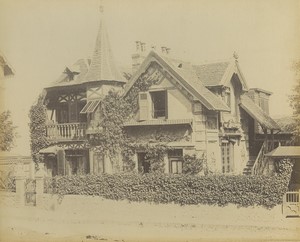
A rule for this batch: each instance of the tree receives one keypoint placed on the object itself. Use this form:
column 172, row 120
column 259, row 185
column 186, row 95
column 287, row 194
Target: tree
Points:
column 7, row 131
column 295, row 103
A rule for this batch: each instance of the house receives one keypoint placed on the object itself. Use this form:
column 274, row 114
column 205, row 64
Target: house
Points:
column 206, row 109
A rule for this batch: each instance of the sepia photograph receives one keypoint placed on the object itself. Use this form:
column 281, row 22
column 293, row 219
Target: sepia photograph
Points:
column 162, row 120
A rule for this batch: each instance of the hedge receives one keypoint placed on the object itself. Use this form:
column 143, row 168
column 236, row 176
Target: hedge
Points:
column 219, row 190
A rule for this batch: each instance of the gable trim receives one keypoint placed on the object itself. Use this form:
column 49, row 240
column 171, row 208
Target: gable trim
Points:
column 154, row 57
column 232, row 69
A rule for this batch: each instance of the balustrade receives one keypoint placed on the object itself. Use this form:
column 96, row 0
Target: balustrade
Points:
column 66, row 131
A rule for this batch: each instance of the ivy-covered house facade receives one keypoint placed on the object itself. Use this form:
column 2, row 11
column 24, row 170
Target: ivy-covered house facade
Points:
column 170, row 107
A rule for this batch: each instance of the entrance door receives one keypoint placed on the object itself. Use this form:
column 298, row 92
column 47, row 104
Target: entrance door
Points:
column 227, row 157
column 143, row 164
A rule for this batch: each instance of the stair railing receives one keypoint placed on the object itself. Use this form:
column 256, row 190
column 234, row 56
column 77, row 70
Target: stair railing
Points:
column 257, row 166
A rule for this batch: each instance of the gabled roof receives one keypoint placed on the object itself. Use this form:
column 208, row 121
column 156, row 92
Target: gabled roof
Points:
column 186, row 76
column 257, row 113
column 285, row 151
column 219, row 73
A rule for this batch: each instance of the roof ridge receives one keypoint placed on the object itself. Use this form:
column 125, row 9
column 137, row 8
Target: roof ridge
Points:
column 213, row 62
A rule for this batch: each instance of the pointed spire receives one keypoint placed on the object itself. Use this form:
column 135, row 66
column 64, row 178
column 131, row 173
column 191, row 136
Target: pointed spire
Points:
column 103, row 66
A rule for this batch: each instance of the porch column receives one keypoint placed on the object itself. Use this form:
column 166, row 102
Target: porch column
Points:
column 61, row 162
column 91, row 161
column 166, row 163
column 135, row 159
column 107, row 164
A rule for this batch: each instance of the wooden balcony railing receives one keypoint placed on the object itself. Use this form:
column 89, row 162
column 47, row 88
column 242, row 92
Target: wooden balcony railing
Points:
column 66, row 131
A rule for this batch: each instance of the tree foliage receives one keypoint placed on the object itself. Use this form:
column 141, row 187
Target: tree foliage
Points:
column 295, row 103
column 7, row 131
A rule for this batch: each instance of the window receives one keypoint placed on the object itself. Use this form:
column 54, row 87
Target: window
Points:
column 176, row 166
column 212, row 122
column 159, row 104
column 197, row 107
column 227, row 156
column 175, row 161
column 227, row 98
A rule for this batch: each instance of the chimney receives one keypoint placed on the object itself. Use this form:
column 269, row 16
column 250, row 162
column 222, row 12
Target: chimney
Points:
column 165, row 50
column 260, row 97
column 139, row 56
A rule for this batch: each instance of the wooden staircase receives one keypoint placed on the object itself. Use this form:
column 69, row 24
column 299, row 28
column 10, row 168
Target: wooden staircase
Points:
column 255, row 165
column 248, row 169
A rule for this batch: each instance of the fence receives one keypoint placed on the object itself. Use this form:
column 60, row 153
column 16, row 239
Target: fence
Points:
column 291, row 204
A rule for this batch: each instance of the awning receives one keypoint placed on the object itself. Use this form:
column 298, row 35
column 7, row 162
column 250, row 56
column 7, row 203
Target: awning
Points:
column 49, row 150
column 180, row 144
column 158, row 122
column 90, row 106
column 257, row 113
column 285, row 151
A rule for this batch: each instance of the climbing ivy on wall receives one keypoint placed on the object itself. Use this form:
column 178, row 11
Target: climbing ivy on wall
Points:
column 112, row 139
column 37, row 126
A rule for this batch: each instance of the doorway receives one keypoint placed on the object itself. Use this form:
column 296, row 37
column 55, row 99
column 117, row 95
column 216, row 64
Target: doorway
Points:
column 143, row 163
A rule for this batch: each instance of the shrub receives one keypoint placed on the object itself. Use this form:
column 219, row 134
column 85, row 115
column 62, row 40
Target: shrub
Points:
column 219, row 190
column 192, row 165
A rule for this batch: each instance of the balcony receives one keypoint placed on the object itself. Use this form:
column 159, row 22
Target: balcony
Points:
column 66, row 131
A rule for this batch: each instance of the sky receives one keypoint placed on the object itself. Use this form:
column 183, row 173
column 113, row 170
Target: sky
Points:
column 40, row 38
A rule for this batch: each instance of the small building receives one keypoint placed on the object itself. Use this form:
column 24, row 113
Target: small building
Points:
column 288, row 152
column 11, row 163
column 208, row 110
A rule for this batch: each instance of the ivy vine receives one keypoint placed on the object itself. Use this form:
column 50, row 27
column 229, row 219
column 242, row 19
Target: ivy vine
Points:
column 37, row 126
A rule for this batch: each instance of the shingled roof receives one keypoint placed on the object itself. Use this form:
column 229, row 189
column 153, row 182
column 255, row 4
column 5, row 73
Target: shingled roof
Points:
column 285, row 151
column 257, row 113
column 211, row 74
column 186, row 76
column 101, row 67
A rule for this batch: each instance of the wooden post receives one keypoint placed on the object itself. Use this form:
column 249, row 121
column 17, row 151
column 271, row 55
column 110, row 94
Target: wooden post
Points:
column 91, row 161
column 20, row 186
column 39, row 176
column 272, row 134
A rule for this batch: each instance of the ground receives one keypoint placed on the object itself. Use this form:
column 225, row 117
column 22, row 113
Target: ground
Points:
column 89, row 219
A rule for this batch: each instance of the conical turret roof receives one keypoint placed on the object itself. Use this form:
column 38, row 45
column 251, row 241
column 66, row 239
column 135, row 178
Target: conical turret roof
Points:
column 103, row 66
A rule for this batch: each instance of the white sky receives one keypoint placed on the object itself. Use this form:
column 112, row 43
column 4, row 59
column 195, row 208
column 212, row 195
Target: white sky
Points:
column 41, row 37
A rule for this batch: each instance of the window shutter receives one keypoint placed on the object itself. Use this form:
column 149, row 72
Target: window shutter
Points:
column 61, row 162
column 144, row 106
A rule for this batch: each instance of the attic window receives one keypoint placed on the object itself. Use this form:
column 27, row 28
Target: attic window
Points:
column 90, row 107
column 159, row 104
